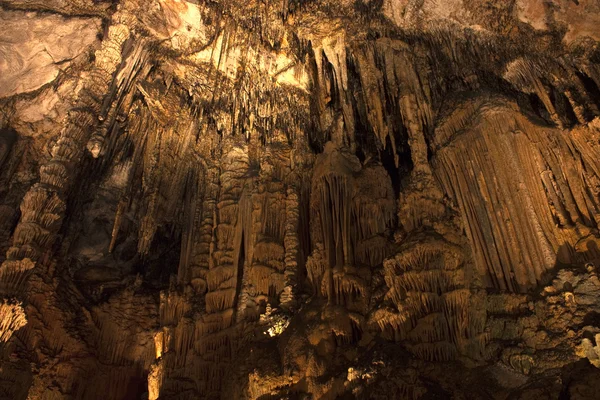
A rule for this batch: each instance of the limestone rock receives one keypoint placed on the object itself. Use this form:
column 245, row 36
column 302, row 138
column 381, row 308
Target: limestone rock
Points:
column 36, row 47
column 299, row 199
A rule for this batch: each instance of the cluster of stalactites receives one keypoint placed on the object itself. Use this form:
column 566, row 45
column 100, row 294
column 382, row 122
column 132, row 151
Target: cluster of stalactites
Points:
column 12, row 318
column 183, row 344
column 266, row 263
column 240, row 246
column 342, row 220
column 168, row 177
column 543, row 193
column 433, row 311
column 352, row 206
column 557, row 85
column 264, row 279
column 377, row 86
column 117, row 102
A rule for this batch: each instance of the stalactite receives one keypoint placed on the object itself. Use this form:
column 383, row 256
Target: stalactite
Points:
column 148, row 227
column 132, row 65
column 266, row 272
column 525, row 75
column 315, row 266
column 367, row 151
column 438, row 351
column 173, row 306
column 12, row 318
column 549, row 199
column 14, row 274
column 221, row 299
column 436, row 311
column 121, row 208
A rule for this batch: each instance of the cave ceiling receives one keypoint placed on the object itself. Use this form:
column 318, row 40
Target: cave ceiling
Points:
column 299, row 199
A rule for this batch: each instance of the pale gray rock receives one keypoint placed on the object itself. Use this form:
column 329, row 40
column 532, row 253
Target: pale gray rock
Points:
column 34, row 48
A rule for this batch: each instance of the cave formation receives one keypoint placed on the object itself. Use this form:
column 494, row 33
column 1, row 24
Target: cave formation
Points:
column 299, row 199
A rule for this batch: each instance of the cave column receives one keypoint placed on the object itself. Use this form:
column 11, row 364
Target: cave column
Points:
column 222, row 276
column 291, row 244
column 44, row 206
column 204, row 231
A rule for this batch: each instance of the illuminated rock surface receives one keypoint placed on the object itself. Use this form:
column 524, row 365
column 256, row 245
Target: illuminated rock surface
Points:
column 296, row 199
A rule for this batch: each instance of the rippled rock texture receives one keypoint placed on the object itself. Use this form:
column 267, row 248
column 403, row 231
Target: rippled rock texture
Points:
column 296, row 199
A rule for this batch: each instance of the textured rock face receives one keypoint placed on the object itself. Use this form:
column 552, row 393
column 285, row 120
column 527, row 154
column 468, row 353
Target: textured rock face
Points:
column 299, row 199
column 34, row 48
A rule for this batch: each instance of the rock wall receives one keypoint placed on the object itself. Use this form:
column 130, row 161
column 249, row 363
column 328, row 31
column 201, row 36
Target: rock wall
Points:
column 299, row 199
